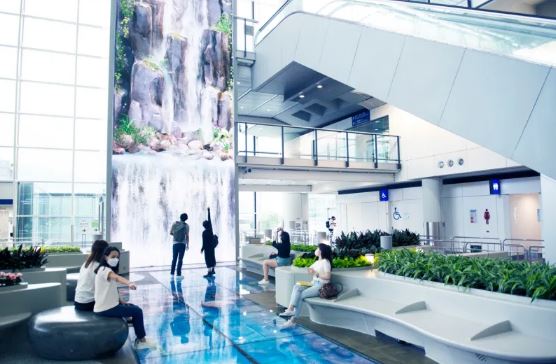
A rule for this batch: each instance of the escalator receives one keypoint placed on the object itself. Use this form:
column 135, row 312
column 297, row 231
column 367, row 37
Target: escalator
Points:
column 488, row 77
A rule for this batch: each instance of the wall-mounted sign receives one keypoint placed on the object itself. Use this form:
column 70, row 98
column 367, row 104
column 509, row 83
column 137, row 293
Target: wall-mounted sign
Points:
column 495, row 186
column 473, row 216
column 383, row 194
column 361, row 118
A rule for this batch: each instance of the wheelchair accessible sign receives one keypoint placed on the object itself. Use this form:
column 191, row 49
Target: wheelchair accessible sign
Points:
column 383, row 194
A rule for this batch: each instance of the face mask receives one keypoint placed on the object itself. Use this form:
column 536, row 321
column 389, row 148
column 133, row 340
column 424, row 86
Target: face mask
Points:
column 113, row 262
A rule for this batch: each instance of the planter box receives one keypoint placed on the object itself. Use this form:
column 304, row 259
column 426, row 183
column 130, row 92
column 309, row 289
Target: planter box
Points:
column 75, row 260
column 16, row 287
column 33, row 298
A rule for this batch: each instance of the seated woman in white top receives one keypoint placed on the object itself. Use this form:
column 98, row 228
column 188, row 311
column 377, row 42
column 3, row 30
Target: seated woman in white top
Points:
column 85, row 291
column 107, row 299
column 322, row 273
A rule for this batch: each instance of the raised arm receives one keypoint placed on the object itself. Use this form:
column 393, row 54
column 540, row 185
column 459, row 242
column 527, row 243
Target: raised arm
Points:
column 115, row 277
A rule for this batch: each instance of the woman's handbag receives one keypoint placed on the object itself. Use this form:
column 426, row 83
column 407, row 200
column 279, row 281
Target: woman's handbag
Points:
column 330, row 290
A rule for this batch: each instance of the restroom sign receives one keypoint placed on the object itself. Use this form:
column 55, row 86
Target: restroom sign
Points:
column 383, row 194
column 495, row 187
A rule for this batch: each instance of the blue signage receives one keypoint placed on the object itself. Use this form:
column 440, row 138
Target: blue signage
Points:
column 495, row 186
column 361, row 118
column 383, row 194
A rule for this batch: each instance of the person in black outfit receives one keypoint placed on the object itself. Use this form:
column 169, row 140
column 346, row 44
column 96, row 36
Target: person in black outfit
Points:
column 208, row 249
column 283, row 257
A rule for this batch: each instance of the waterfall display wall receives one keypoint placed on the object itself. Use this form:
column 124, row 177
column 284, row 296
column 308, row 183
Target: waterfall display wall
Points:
column 173, row 123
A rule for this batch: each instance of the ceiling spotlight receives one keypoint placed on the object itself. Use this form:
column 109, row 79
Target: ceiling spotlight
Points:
column 267, row 110
column 241, row 107
column 319, row 86
column 239, row 82
column 301, row 96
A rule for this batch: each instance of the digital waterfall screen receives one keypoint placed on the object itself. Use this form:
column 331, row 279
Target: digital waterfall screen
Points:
column 172, row 148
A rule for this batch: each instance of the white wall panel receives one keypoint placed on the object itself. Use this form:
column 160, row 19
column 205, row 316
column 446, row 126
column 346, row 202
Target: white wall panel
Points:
column 492, row 95
column 339, row 50
column 375, row 62
column 537, row 141
column 424, row 76
column 311, row 41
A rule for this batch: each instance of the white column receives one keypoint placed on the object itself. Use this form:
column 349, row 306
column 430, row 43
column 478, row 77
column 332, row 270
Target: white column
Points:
column 431, row 200
column 548, row 217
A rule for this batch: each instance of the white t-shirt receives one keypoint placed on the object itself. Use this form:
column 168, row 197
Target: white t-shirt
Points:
column 85, row 290
column 321, row 266
column 106, row 291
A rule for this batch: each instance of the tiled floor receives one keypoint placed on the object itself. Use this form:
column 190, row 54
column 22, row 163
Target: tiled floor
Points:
column 202, row 320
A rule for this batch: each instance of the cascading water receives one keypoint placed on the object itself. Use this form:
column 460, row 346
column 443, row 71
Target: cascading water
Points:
column 180, row 158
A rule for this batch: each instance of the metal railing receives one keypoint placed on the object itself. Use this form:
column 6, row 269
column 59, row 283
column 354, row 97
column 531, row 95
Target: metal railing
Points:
column 291, row 142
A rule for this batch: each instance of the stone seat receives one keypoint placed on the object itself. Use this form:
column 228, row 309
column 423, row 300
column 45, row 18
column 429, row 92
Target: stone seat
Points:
column 66, row 334
column 71, row 285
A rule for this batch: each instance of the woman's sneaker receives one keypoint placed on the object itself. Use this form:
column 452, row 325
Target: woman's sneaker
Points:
column 287, row 313
column 146, row 344
column 288, row 325
column 264, row 282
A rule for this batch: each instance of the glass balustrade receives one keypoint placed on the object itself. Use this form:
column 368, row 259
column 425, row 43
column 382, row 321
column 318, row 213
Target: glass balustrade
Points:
column 287, row 144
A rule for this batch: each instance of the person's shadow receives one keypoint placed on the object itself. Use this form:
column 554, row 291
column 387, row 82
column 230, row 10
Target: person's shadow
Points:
column 210, row 314
column 180, row 323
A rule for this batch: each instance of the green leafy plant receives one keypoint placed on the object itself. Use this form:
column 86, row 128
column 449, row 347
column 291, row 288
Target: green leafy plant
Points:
column 126, row 8
column 20, row 258
column 153, row 65
column 337, row 262
column 533, row 280
column 127, row 127
column 60, row 249
column 224, row 24
column 303, row 248
column 404, row 238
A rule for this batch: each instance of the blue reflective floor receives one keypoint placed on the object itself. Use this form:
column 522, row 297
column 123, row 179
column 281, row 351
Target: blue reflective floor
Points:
column 202, row 320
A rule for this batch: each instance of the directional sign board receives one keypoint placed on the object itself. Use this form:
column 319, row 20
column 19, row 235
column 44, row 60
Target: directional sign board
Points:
column 495, row 187
column 383, row 194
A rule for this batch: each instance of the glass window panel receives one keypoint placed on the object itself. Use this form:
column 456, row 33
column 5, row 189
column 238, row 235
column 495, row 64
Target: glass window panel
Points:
column 6, row 129
column 44, row 165
column 46, row 132
column 10, row 6
column 90, row 134
column 48, row 34
column 92, row 71
column 90, row 166
column 91, row 103
column 7, row 98
column 50, row 230
column 6, row 163
column 39, row 98
column 8, row 55
column 96, row 12
column 52, row 9
column 47, row 66
column 93, row 41
column 9, row 29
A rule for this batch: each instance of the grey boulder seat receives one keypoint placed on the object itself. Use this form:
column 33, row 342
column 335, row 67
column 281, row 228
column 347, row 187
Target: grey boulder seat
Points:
column 66, row 334
column 71, row 285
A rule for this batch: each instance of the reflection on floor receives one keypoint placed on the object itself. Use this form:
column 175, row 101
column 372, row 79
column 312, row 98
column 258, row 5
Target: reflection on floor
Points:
column 202, row 320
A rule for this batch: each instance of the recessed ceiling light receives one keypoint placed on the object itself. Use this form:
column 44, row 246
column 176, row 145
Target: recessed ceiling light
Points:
column 241, row 107
column 267, row 110
column 319, row 86
column 301, row 96
column 239, row 82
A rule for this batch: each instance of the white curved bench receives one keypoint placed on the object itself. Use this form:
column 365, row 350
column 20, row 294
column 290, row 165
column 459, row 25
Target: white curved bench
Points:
column 452, row 326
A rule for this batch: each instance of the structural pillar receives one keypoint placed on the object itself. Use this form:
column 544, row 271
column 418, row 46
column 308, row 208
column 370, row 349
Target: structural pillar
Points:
column 431, row 203
column 548, row 217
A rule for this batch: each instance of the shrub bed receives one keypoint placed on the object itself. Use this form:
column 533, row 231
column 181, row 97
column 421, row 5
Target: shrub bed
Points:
column 62, row 249
column 337, row 262
column 303, row 248
column 533, row 280
column 20, row 258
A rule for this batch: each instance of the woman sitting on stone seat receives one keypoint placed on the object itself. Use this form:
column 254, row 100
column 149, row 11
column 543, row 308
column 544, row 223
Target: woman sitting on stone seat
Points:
column 283, row 257
column 322, row 273
column 107, row 299
column 85, row 291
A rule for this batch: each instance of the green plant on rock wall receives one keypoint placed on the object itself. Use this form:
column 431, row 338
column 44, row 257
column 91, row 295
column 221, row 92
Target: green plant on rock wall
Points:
column 224, row 25
column 126, row 127
column 122, row 35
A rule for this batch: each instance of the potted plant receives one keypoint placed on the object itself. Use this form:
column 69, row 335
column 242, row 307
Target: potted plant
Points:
column 10, row 281
column 22, row 259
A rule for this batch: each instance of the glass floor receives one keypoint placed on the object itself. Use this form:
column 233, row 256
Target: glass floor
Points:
column 200, row 320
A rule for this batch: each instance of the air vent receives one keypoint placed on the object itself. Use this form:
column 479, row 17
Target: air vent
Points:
column 338, row 103
column 303, row 115
column 316, row 109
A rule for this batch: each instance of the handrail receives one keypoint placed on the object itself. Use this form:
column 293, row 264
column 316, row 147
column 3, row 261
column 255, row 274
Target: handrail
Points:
column 319, row 129
column 523, row 240
column 474, row 237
